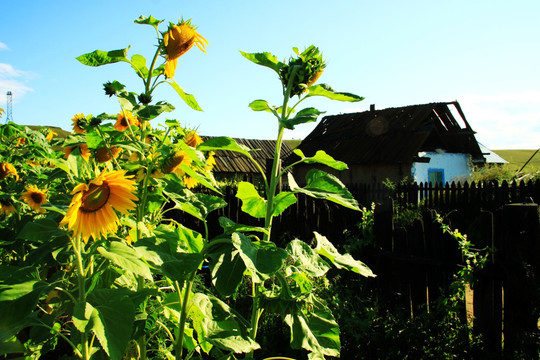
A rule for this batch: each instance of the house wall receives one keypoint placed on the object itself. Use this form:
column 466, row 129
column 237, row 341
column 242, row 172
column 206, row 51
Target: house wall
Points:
column 359, row 174
column 455, row 167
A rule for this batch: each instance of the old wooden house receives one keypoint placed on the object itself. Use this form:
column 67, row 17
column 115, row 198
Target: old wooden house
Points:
column 429, row 142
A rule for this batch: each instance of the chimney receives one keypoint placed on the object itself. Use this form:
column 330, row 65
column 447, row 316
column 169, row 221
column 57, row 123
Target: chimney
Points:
column 372, row 107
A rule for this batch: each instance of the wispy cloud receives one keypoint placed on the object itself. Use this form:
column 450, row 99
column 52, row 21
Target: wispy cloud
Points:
column 12, row 79
column 504, row 121
column 3, row 46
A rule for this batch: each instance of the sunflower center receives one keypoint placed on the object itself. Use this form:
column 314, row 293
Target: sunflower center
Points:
column 36, row 197
column 95, row 197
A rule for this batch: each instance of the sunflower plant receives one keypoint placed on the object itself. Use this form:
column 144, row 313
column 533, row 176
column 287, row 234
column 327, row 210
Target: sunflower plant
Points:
column 94, row 259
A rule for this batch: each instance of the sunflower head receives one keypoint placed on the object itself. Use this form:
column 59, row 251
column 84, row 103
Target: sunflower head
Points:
column 173, row 162
column 92, row 211
column 103, row 154
column 190, row 182
column 125, row 119
column 50, row 135
column 192, row 138
column 6, row 207
column 79, row 123
column 210, row 161
column 177, row 40
column 144, row 98
column 309, row 67
column 6, row 169
column 83, row 149
column 34, row 197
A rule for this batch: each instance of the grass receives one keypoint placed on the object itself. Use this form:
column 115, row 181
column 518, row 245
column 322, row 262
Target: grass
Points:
column 518, row 158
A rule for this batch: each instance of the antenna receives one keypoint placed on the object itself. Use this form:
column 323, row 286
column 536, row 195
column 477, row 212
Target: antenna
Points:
column 9, row 110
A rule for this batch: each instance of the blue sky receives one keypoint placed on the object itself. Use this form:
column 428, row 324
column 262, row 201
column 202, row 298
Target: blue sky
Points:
column 483, row 53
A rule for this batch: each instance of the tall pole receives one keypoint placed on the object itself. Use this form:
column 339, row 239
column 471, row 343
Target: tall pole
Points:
column 9, row 110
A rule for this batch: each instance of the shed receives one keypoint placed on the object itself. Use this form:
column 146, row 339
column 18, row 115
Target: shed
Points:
column 415, row 141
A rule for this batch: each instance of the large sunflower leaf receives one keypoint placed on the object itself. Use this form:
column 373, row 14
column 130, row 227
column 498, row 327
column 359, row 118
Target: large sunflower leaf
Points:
column 261, row 259
column 150, row 20
column 198, row 205
column 182, row 268
column 223, row 143
column 306, row 259
column 321, row 185
column 227, row 268
column 341, row 261
column 216, row 323
column 188, row 98
column 99, row 57
column 321, row 157
column 126, row 258
column 303, row 116
column 282, row 201
column 264, row 59
column 230, row 227
column 252, row 203
column 138, row 63
column 327, row 91
column 41, row 229
column 150, row 112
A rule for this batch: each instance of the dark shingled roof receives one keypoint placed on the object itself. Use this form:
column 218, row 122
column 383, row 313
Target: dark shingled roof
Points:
column 233, row 162
column 393, row 135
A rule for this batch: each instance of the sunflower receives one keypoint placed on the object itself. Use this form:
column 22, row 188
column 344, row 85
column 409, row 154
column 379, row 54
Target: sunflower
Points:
column 103, row 154
column 192, row 139
column 83, row 149
column 177, row 41
column 34, row 197
column 6, row 207
column 92, row 211
column 50, row 135
column 190, row 182
column 210, row 161
column 125, row 119
column 6, row 169
column 173, row 162
column 79, row 123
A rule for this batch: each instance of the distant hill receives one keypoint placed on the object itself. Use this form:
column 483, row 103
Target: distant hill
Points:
column 61, row 132
column 517, row 158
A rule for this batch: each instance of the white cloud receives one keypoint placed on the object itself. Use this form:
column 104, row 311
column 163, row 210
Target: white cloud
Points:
column 504, row 121
column 12, row 79
column 3, row 46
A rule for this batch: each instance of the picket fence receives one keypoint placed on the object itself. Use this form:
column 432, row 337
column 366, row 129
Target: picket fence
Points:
column 415, row 262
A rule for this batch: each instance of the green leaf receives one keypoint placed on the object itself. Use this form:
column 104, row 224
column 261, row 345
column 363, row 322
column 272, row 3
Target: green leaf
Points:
column 40, row 230
column 230, row 227
column 111, row 320
column 303, row 116
column 262, row 105
column 198, row 205
column 126, row 258
column 127, row 100
column 138, row 63
column 150, row 112
column 252, row 203
column 148, row 21
column 321, row 185
column 264, row 59
column 315, row 330
column 216, row 323
column 179, row 239
column 99, row 57
column 227, row 268
column 322, row 157
column 306, row 259
column 282, row 201
column 223, row 143
column 346, row 261
column 261, row 259
column 326, row 91
column 188, row 98
column 182, row 268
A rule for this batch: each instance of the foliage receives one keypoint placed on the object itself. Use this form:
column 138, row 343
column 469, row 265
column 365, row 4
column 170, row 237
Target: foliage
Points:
column 92, row 259
column 504, row 172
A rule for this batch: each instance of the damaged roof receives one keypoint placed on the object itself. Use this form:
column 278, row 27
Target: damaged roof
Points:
column 393, row 135
column 234, row 162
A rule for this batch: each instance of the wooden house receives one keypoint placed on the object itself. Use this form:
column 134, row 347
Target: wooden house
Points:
column 429, row 142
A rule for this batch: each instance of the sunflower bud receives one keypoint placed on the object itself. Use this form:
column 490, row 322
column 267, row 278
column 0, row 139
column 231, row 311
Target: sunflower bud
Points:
column 309, row 66
column 173, row 162
column 145, row 98
column 112, row 88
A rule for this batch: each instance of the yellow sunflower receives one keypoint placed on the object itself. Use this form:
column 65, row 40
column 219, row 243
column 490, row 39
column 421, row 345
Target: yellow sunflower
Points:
column 6, row 207
column 173, row 162
column 103, row 154
column 192, row 138
column 190, row 182
column 125, row 119
column 177, row 41
column 92, row 211
column 50, row 135
column 34, row 197
column 83, row 149
column 79, row 123
column 6, row 169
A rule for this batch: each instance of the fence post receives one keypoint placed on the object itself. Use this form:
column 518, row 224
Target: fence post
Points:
column 520, row 255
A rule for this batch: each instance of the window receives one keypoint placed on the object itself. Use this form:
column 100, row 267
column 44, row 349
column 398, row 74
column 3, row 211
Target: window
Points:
column 436, row 176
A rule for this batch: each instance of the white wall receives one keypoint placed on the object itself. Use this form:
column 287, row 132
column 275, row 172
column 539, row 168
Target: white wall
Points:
column 456, row 167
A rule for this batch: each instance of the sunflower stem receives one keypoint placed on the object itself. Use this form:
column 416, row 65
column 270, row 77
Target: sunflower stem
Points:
column 150, row 71
column 81, row 276
column 183, row 315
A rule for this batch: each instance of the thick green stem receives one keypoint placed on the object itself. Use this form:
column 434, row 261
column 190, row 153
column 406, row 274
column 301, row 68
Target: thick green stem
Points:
column 274, row 180
column 183, row 315
column 77, row 246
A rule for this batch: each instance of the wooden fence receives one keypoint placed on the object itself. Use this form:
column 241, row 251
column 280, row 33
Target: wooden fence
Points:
column 414, row 262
